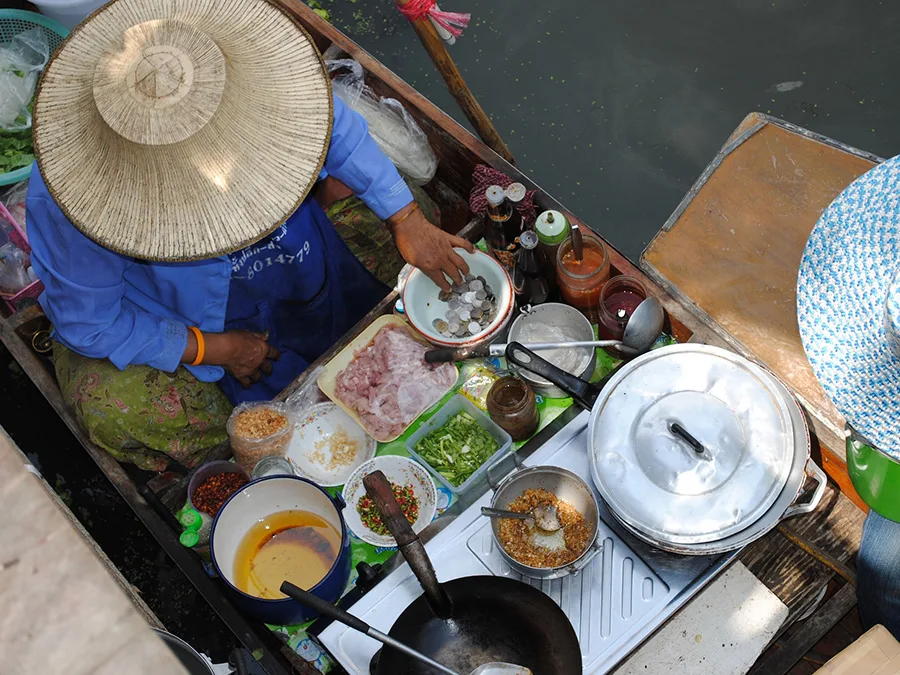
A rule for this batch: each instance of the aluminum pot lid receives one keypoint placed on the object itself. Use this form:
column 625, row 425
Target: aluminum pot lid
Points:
column 691, row 443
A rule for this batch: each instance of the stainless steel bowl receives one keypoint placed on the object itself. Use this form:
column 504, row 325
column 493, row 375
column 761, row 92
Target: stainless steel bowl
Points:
column 567, row 487
column 573, row 324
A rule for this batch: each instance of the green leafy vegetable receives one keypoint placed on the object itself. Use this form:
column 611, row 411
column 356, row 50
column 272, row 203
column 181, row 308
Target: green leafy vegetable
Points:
column 16, row 150
column 458, row 448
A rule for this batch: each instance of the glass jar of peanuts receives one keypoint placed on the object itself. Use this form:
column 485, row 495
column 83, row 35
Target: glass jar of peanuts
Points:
column 258, row 430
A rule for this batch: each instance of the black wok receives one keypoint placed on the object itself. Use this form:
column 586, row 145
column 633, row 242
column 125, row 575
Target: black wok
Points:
column 470, row 621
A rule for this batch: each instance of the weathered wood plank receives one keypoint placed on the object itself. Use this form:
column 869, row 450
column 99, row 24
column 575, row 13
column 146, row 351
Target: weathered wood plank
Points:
column 814, row 629
column 62, row 611
column 794, row 575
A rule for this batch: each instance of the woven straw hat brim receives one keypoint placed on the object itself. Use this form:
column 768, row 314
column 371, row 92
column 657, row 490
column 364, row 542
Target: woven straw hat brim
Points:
column 848, row 304
column 228, row 149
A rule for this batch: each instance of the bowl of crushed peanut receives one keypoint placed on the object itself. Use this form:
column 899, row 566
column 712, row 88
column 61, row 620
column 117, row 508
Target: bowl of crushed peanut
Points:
column 537, row 553
column 328, row 445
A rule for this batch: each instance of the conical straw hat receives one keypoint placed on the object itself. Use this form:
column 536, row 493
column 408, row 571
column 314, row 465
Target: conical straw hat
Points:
column 182, row 129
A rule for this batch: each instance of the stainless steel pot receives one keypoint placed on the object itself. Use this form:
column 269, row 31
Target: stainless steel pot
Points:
column 570, row 323
column 787, row 505
column 567, row 487
column 695, row 450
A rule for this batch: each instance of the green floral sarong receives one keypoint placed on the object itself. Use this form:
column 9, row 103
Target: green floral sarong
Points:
column 142, row 415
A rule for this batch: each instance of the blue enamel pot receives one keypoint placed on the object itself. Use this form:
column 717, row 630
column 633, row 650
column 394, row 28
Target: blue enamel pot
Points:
column 256, row 501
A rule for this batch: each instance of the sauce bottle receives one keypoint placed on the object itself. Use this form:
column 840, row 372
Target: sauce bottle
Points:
column 502, row 225
column 512, row 406
column 530, row 276
column 552, row 229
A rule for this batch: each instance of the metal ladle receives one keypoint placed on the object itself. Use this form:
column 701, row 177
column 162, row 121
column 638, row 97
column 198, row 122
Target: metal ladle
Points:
column 333, row 612
column 643, row 328
column 641, row 331
column 546, row 518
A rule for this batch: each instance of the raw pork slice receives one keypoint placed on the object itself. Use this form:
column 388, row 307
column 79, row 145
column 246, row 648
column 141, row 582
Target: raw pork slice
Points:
column 388, row 384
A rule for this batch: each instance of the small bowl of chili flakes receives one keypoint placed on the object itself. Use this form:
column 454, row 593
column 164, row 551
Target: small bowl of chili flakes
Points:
column 213, row 483
column 413, row 487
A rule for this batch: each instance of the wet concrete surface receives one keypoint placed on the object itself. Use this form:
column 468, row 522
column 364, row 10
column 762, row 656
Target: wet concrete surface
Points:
column 614, row 107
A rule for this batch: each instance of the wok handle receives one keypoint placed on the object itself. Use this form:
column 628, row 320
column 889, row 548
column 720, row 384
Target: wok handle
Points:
column 333, row 612
column 411, row 548
column 814, row 472
column 324, row 607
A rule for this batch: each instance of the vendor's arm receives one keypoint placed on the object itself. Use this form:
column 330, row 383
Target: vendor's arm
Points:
column 85, row 300
column 355, row 159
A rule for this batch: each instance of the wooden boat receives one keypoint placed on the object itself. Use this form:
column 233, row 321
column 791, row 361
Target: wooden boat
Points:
column 152, row 496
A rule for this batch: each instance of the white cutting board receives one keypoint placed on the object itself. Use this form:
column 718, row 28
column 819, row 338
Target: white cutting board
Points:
column 720, row 632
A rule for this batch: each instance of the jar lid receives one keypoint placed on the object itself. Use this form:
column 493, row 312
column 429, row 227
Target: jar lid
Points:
column 495, row 195
column 691, row 444
column 552, row 227
column 515, row 192
column 190, row 519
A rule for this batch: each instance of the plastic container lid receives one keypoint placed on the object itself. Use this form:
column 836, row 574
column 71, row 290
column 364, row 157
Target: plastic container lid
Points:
column 455, row 405
column 189, row 538
column 516, row 192
column 528, row 240
column 552, row 228
column 190, row 519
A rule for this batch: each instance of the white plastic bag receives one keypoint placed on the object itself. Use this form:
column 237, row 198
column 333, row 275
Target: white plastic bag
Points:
column 21, row 61
column 392, row 127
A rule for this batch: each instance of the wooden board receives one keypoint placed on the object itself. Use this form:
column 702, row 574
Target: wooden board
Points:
column 720, row 632
column 731, row 251
column 62, row 611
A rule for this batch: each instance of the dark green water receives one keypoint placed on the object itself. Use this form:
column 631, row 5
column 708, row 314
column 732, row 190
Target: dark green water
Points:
column 616, row 106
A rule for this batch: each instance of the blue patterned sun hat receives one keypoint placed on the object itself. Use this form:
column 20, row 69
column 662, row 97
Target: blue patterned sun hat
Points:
column 848, row 304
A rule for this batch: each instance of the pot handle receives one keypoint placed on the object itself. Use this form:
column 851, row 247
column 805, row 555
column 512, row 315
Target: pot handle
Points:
column 411, row 547
column 582, row 391
column 814, row 472
column 492, row 482
column 575, row 569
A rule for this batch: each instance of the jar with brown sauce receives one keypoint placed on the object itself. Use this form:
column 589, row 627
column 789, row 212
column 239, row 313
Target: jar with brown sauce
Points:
column 512, row 405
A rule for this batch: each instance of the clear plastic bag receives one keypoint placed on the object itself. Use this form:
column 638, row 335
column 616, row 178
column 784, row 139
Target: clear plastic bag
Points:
column 21, row 61
column 392, row 127
column 14, row 201
column 13, row 275
column 306, row 396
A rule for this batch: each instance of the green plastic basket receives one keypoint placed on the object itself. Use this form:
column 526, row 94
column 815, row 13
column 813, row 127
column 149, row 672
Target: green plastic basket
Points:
column 13, row 22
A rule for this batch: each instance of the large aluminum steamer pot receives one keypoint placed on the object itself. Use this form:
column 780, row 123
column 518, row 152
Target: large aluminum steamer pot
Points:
column 694, row 449
column 787, row 505
column 566, row 486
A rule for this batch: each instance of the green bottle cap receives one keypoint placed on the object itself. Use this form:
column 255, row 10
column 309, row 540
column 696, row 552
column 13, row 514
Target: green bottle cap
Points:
column 189, row 538
column 552, row 228
column 190, row 519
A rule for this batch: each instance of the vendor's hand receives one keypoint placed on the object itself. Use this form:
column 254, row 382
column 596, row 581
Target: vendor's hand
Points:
column 247, row 356
column 428, row 247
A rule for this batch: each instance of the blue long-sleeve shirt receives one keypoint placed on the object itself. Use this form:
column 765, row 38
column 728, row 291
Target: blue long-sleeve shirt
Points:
column 106, row 305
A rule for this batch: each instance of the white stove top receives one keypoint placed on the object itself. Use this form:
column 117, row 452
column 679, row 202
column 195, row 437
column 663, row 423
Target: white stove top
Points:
column 617, row 601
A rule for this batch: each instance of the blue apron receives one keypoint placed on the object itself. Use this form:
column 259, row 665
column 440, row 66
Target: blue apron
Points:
column 302, row 285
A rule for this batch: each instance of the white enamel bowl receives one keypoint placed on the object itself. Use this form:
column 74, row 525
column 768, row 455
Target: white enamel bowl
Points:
column 398, row 470
column 422, row 306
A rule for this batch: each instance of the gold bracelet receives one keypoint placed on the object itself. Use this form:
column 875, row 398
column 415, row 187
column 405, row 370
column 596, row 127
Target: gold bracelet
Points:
column 405, row 215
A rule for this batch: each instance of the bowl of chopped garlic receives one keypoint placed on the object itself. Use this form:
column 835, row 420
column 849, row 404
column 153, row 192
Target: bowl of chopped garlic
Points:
column 328, row 445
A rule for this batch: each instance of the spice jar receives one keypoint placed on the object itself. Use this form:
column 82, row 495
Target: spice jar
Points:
column 580, row 281
column 619, row 298
column 512, row 406
column 258, row 430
